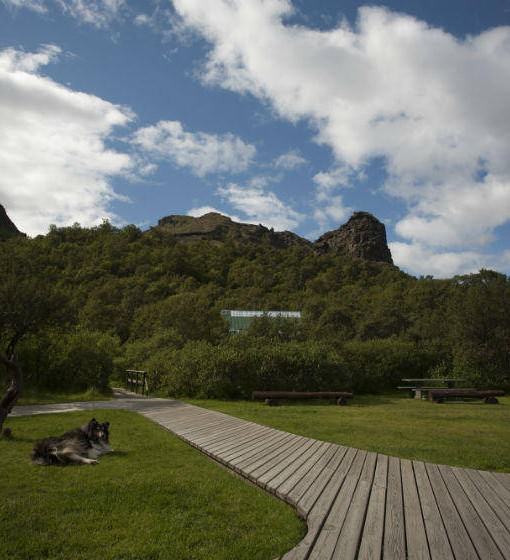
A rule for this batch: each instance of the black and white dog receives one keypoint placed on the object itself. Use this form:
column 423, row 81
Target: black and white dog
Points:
column 80, row 446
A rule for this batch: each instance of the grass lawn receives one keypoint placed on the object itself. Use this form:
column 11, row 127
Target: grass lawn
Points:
column 154, row 498
column 460, row 434
column 30, row 396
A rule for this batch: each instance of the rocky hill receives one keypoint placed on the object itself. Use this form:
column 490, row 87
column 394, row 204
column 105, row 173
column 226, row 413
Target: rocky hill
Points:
column 216, row 227
column 7, row 227
column 363, row 236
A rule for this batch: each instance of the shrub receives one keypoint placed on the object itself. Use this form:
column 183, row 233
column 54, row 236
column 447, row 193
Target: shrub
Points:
column 76, row 360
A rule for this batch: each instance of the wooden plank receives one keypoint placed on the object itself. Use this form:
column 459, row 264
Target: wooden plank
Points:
column 255, row 466
column 289, row 477
column 493, row 524
column 277, row 461
column 324, row 546
column 247, row 454
column 336, row 470
column 458, row 537
column 438, row 543
column 498, row 500
column 317, row 499
column 284, row 489
column 239, row 444
column 394, row 546
column 350, row 534
column 416, row 537
column 288, row 465
column 480, row 537
column 311, row 474
column 230, row 436
column 372, row 538
column 496, row 484
column 504, row 479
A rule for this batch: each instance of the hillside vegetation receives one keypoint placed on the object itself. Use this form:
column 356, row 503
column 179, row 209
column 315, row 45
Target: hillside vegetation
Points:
column 92, row 302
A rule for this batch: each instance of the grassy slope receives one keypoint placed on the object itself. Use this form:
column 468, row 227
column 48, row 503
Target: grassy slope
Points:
column 461, row 434
column 154, row 498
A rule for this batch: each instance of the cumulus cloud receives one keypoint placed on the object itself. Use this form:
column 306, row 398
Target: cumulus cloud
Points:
column 56, row 167
column 201, row 210
column 443, row 264
column 289, row 160
column 432, row 106
column 201, row 152
column 260, row 206
column 99, row 13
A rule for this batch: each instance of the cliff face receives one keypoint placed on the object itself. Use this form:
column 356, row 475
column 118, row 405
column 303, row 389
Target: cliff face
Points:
column 216, row 227
column 7, row 227
column 363, row 237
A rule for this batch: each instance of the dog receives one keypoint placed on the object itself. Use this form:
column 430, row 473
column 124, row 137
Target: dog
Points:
column 81, row 446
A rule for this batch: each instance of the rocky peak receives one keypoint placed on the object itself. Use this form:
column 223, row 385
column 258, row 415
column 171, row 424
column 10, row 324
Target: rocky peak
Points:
column 7, row 227
column 217, row 227
column 363, row 236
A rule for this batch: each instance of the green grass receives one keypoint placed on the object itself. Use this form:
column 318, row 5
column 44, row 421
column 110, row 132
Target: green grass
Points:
column 31, row 396
column 154, row 498
column 460, row 434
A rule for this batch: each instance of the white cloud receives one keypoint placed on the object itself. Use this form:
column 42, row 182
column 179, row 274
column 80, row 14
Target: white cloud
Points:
column 201, row 152
column 99, row 13
column 442, row 264
column 34, row 5
column 260, row 205
column 200, row 211
column 434, row 107
column 55, row 165
column 290, row 160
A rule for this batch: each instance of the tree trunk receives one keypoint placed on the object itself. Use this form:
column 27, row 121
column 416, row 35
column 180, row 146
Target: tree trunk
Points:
column 13, row 392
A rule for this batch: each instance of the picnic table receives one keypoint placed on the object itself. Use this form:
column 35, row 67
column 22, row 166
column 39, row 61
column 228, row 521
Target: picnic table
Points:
column 419, row 388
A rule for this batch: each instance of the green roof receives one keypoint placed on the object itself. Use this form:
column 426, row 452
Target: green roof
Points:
column 240, row 320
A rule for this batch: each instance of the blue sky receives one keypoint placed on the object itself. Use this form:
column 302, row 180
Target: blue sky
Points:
column 290, row 114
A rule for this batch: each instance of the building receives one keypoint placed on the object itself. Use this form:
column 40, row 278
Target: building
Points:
column 240, row 320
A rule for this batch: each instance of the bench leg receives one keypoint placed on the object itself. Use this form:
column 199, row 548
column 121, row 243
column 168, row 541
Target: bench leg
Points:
column 342, row 401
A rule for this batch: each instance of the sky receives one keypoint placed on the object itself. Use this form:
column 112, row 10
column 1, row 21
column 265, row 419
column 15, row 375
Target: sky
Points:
column 288, row 113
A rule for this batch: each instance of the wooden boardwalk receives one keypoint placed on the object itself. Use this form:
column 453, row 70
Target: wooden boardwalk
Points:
column 357, row 504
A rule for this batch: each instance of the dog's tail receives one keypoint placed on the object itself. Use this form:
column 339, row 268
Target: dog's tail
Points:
column 45, row 454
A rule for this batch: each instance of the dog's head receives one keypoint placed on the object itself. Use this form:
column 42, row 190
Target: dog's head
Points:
column 97, row 432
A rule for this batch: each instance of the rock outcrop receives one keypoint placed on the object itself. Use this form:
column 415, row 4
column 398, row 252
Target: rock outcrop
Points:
column 363, row 237
column 217, row 227
column 7, row 227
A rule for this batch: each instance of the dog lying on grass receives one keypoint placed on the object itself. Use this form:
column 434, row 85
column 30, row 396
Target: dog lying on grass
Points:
column 81, row 446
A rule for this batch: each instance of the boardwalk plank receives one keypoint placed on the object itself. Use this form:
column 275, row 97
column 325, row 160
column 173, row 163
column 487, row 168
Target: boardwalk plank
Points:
column 285, row 489
column 350, row 534
column 480, row 537
column 291, row 475
column 394, row 546
column 373, row 531
column 326, row 480
column 416, row 537
column 324, row 547
column 439, row 545
column 493, row 524
column 458, row 537
column 498, row 501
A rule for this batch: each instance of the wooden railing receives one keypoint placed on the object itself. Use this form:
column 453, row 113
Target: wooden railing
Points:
column 137, row 382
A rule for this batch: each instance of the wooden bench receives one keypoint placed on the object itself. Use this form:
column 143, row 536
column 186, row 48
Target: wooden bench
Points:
column 272, row 398
column 488, row 395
